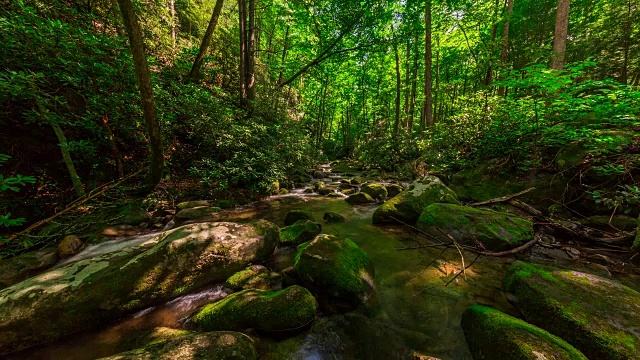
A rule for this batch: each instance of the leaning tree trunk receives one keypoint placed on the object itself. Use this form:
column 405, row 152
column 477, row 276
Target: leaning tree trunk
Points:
column 143, row 76
column 206, row 40
column 66, row 156
column 560, row 36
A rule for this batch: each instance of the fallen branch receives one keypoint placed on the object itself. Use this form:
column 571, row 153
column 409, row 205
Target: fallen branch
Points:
column 503, row 198
column 74, row 205
column 514, row 251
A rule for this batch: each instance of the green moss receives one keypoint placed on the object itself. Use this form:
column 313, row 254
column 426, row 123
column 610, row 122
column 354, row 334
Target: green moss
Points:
column 497, row 231
column 359, row 199
column 287, row 309
column 253, row 277
column 336, row 267
column 376, row 191
column 301, row 231
column 294, row 216
column 492, row 334
column 591, row 313
column 408, row 205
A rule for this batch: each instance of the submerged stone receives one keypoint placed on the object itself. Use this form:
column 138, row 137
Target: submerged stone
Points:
column 299, row 232
column 288, row 309
column 95, row 291
column 496, row 231
column 296, row 215
column 598, row 316
column 409, row 204
column 338, row 269
column 222, row 345
column 360, row 199
column 492, row 334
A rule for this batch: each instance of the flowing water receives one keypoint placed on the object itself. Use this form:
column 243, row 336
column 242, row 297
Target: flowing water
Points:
column 421, row 295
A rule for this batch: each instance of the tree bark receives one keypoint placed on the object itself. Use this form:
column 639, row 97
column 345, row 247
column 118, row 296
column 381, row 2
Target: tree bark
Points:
column 504, row 55
column 560, row 36
column 396, row 125
column 143, row 75
column 250, row 78
column 66, row 156
column 172, row 12
column 427, row 119
column 206, row 40
column 242, row 9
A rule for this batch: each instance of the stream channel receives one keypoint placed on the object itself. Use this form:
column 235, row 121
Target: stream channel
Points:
column 415, row 310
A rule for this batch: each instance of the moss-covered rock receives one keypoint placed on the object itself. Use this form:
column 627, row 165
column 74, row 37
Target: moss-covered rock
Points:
column 196, row 212
column 103, row 288
column 496, row 231
column 192, row 204
column 26, row 265
column 359, row 199
column 299, row 232
column 222, row 345
column 394, row 189
column 288, row 309
column 492, row 334
column 357, row 181
column 408, row 205
column 296, row 215
column 133, row 215
column 348, row 191
column 326, row 190
column 598, row 316
column 333, row 217
column 376, row 191
column 254, row 277
column 336, row 268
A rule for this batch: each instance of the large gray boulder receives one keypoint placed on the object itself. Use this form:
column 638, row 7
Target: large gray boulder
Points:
column 103, row 288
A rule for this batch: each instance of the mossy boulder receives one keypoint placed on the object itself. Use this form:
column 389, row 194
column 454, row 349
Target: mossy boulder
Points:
column 197, row 212
column 348, row 191
column 133, row 215
column 357, row 181
column 296, row 215
column 101, row 289
column 299, row 232
column 288, row 309
column 326, row 190
column 333, row 217
column 336, row 269
column 496, row 231
column 408, row 205
column 611, row 223
column 222, row 345
column 598, row 316
column 254, row 277
column 492, row 334
column 24, row 266
column 360, row 199
column 394, row 189
column 192, row 204
column 376, row 191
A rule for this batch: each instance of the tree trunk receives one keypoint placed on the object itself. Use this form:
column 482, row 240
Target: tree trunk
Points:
column 414, row 84
column 396, row 125
column 504, row 55
column 242, row 10
column 143, row 76
column 626, row 44
column 172, row 12
column 427, row 119
column 560, row 36
column 206, row 40
column 251, row 47
column 114, row 146
column 66, row 156
column 116, row 12
column 284, row 53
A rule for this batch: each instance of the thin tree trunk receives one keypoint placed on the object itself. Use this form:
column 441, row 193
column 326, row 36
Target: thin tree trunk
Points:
column 206, row 40
column 504, row 55
column 242, row 10
column 396, row 125
column 251, row 47
column 66, row 156
column 407, row 83
column 437, row 87
column 626, row 44
column 145, row 87
column 114, row 146
column 172, row 11
column 428, row 102
column 116, row 12
column 284, row 53
column 414, row 84
column 560, row 36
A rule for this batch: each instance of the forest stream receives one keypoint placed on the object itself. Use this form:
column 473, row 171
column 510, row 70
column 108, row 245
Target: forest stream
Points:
column 420, row 301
